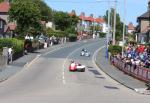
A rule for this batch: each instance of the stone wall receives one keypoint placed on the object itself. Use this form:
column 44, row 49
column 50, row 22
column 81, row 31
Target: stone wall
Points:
column 3, row 62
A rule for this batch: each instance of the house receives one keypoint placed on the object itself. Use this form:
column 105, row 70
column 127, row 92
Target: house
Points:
column 130, row 28
column 143, row 28
column 2, row 26
column 6, row 27
column 88, row 23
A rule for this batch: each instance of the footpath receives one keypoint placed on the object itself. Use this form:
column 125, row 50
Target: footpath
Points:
column 126, row 80
column 23, row 61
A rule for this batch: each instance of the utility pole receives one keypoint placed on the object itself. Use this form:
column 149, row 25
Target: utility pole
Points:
column 114, row 31
column 94, row 26
column 124, row 25
column 108, row 32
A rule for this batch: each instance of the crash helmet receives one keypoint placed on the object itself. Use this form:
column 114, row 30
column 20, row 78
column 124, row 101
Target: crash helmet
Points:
column 83, row 49
column 72, row 61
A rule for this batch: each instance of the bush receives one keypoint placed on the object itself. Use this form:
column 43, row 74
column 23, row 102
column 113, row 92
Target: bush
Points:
column 11, row 42
column 72, row 37
column 115, row 49
column 102, row 35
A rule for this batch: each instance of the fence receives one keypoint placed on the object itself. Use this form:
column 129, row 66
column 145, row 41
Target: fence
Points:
column 3, row 62
column 133, row 70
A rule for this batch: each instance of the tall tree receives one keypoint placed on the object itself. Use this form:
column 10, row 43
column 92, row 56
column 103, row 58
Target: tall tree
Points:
column 65, row 22
column 27, row 15
column 45, row 10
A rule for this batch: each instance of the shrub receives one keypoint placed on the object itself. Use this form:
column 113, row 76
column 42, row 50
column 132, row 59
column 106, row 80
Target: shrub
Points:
column 114, row 49
column 72, row 37
column 11, row 42
column 102, row 35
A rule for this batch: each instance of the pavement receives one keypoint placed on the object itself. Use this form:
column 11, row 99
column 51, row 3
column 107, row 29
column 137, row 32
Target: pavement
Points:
column 124, row 79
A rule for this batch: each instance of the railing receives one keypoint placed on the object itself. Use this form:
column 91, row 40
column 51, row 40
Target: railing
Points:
column 133, row 70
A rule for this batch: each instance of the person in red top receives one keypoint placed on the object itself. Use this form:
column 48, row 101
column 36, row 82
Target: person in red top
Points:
column 73, row 66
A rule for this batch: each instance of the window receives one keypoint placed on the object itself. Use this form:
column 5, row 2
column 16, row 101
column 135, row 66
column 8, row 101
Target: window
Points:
column 1, row 24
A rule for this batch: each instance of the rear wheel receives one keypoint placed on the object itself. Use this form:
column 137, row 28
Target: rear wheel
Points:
column 83, row 70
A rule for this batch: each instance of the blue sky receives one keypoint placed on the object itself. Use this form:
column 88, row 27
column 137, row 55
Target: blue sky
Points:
column 134, row 8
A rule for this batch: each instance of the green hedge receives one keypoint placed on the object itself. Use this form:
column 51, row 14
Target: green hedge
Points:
column 12, row 42
column 102, row 35
column 115, row 49
column 72, row 37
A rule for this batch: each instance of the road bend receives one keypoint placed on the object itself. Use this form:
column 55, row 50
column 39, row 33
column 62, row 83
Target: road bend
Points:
column 48, row 80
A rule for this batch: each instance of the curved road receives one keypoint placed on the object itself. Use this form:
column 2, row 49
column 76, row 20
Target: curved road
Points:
column 47, row 80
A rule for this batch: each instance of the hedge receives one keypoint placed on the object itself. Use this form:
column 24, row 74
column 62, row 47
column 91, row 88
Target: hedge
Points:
column 115, row 49
column 12, row 42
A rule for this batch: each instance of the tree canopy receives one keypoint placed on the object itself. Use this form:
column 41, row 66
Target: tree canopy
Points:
column 65, row 22
column 45, row 10
column 26, row 14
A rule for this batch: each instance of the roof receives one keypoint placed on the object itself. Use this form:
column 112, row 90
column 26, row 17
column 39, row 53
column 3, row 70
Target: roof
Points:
column 99, row 20
column 10, row 26
column 91, row 19
column 4, row 7
column 130, row 26
column 2, row 19
column 144, row 16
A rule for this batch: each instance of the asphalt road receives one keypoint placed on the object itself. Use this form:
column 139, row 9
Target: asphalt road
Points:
column 47, row 80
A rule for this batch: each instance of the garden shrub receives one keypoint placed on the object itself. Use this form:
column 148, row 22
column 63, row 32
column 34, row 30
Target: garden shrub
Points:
column 12, row 42
column 115, row 49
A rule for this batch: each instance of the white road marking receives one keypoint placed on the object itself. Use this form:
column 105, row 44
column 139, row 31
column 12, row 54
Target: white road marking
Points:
column 63, row 74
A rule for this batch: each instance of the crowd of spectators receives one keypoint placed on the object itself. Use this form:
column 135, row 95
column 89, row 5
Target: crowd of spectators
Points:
column 136, row 55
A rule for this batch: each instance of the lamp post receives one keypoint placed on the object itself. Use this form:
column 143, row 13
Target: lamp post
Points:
column 114, row 32
column 108, row 23
column 123, row 40
column 149, row 22
column 108, row 31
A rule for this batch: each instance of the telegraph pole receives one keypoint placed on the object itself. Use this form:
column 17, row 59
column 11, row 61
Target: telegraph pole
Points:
column 124, row 25
column 108, row 32
column 114, row 31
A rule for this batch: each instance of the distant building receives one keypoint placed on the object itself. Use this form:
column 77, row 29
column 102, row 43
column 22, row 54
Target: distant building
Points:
column 86, row 24
column 130, row 28
column 143, row 27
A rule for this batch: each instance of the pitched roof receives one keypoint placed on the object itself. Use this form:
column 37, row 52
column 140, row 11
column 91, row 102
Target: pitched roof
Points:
column 91, row 19
column 144, row 16
column 4, row 6
column 10, row 26
column 130, row 26
column 99, row 20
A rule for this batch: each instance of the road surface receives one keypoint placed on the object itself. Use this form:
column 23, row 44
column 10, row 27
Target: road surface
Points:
column 47, row 80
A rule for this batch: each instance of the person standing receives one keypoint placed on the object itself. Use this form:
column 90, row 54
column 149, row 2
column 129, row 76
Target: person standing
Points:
column 10, row 54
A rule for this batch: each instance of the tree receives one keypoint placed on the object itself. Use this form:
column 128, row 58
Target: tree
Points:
column 27, row 15
column 64, row 22
column 45, row 10
column 119, row 24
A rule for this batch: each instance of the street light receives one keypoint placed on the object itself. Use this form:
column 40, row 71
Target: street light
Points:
column 108, row 23
column 114, row 32
column 124, row 25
